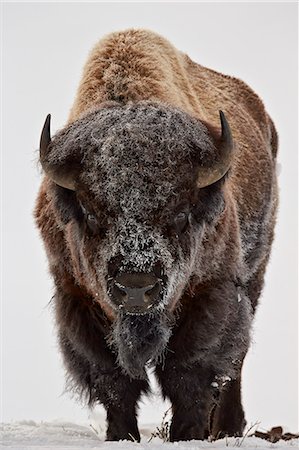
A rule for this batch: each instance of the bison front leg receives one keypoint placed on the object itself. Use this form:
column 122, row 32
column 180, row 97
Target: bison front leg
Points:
column 121, row 415
column 191, row 395
column 100, row 380
column 92, row 367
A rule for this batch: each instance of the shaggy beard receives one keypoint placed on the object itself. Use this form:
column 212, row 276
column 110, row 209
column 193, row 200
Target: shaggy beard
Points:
column 140, row 341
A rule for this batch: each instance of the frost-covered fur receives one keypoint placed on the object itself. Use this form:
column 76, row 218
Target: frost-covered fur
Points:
column 144, row 121
column 139, row 339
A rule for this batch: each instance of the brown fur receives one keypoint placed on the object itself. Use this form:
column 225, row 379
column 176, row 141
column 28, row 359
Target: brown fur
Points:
column 141, row 65
column 130, row 67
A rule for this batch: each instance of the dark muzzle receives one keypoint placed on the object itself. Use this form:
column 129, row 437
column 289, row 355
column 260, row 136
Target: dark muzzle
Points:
column 137, row 293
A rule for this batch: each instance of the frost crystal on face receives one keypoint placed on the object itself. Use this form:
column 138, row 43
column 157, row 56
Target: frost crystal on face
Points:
column 136, row 169
column 223, row 380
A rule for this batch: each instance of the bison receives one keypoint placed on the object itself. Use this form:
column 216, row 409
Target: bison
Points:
column 157, row 212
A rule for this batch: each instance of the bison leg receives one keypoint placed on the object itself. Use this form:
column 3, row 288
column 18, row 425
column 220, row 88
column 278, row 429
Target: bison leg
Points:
column 228, row 416
column 101, row 381
column 121, row 416
column 190, row 393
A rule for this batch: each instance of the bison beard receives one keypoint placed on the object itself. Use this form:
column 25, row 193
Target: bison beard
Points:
column 140, row 340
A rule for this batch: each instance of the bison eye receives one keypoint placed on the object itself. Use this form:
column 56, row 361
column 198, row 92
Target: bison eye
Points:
column 91, row 219
column 94, row 227
column 181, row 222
column 92, row 222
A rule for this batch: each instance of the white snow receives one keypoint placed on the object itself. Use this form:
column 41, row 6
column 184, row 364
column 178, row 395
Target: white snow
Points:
column 59, row 435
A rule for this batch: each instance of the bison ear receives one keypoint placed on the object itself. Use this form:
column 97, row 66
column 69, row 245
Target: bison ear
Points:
column 62, row 175
column 223, row 158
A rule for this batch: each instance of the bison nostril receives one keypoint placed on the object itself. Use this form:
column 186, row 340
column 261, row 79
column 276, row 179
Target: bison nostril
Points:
column 152, row 291
column 121, row 291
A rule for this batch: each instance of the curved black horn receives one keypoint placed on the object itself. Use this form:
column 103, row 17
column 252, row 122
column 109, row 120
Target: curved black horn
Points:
column 209, row 175
column 57, row 174
column 45, row 138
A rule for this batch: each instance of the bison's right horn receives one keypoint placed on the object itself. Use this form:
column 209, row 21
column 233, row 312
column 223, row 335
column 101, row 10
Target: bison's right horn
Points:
column 58, row 174
column 209, row 175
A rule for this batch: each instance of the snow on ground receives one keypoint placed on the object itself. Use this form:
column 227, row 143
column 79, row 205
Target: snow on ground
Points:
column 57, row 435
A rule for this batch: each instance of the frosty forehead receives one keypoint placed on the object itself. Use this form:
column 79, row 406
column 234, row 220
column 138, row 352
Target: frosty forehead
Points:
column 137, row 156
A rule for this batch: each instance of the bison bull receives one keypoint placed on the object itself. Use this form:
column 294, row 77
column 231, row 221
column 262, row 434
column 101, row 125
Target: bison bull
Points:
column 157, row 212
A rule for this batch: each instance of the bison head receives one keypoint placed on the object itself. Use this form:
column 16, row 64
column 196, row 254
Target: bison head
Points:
column 134, row 188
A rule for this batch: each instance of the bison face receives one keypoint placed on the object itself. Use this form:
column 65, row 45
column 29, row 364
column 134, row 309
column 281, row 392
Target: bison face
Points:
column 135, row 187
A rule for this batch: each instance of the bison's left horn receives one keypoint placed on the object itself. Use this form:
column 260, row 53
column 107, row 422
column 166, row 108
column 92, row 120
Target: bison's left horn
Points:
column 57, row 173
column 209, row 175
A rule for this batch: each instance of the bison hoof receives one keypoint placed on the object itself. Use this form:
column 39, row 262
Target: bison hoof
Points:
column 122, row 434
column 233, row 429
column 186, row 433
column 123, row 437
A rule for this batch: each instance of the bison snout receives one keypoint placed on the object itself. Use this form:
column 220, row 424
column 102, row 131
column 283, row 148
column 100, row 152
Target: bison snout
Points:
column 137, row 293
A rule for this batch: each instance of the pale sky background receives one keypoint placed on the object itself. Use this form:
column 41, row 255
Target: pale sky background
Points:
column 44, row 48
